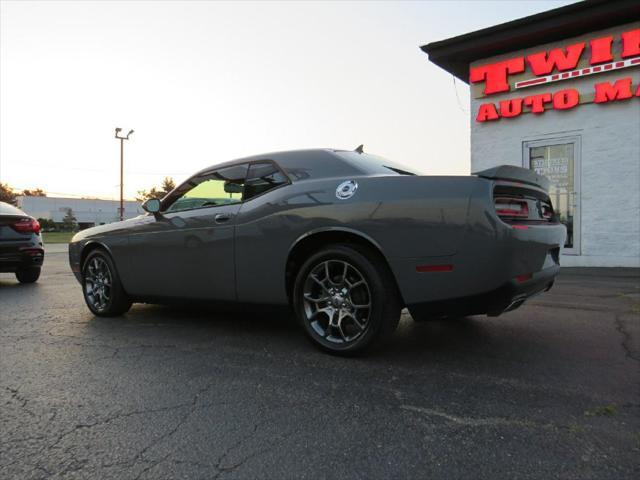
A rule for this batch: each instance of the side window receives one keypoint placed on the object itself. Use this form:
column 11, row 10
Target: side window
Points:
column 261, row 178
column 220, row 187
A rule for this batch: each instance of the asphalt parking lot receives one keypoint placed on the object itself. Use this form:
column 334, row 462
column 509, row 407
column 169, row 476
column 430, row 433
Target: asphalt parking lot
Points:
column 549, row 391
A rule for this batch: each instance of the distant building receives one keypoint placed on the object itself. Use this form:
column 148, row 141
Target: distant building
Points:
column 88, row 212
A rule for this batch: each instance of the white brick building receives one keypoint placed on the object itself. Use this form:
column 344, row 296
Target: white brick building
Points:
column 582, row 62
column 88, row 212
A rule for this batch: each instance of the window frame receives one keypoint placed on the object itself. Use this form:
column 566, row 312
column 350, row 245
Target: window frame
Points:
column 551, row 140
column 163, row 208
column 277, row 167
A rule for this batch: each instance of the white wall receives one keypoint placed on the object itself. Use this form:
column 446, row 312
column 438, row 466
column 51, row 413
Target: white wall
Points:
column 609, row 197
column 85, row 210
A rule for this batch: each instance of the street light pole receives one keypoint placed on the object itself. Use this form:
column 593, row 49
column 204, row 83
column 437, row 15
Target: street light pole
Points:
column 122, row 139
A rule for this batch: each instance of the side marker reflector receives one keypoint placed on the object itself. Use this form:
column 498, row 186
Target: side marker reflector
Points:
column 525, row 277
column 434, row 268
column 519, row 227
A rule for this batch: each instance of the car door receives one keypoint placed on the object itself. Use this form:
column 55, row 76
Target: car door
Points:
column 187, row 250
column 263, row 236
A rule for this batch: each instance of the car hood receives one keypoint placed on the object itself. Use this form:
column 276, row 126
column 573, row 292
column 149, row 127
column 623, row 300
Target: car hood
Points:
column 108, row 228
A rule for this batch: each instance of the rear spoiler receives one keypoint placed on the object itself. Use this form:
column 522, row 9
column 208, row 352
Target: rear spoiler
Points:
column 515, row 174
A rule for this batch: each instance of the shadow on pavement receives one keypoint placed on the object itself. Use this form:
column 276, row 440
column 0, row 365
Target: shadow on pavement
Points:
column 184, row 326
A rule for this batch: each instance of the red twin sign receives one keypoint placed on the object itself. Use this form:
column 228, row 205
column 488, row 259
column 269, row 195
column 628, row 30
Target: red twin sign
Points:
column 543, row 64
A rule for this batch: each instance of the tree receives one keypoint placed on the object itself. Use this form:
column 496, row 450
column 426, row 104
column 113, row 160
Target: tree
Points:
column 7, row 194
column 167, row 185
column 46, row 224
column 38, row 192
column 69, row 222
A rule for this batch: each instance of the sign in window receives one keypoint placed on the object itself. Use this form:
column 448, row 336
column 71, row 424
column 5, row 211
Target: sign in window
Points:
column 557, row 161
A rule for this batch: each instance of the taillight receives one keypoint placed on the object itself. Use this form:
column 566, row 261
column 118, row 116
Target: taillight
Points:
column 547, row 211
column 26, row 225
column 511, row 207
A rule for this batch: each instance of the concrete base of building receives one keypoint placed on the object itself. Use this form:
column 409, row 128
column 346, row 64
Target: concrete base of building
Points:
column 599, row 261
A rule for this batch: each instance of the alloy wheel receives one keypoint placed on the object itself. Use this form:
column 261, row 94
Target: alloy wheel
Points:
column 337, row 301
column 97, row 283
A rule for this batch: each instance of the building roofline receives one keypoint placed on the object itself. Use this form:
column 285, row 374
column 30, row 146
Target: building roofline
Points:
column 455, row 54
column 87, row 199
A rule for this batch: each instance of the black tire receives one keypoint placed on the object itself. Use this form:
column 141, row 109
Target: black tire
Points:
column 110, row 301
column 28, row 275
column 379, row 290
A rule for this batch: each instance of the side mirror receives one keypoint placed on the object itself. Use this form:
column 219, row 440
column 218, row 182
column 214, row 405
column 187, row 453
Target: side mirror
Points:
column 151, row 205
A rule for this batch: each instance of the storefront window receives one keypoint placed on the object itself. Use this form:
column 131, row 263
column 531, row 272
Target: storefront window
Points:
column 557, row 162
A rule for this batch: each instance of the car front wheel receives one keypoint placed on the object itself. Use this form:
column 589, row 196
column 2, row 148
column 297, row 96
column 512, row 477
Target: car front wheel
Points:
column 103, row 292
column 346, row 299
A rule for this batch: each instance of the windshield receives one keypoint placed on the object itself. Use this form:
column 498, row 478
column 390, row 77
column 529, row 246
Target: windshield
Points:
column 375, row 165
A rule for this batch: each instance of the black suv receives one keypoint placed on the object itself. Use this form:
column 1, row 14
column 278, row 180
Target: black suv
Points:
column 21, row 248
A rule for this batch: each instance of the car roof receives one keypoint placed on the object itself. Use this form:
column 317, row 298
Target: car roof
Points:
column 300, row 165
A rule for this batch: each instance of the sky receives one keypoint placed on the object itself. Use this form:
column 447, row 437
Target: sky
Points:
column 203, row 82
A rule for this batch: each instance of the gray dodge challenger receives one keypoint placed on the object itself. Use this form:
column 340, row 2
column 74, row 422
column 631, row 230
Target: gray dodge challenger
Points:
column 347, row 239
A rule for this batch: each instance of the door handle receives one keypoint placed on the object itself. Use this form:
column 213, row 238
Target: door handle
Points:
column 222, row 217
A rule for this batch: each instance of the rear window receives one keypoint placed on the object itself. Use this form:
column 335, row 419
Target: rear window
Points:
column 375, row 165
column 6, row 209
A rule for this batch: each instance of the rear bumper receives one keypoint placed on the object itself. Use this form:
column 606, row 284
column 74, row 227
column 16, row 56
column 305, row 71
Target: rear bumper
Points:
column 505, row 298
column 496, row 270
column 13, row 259
column 517, row 291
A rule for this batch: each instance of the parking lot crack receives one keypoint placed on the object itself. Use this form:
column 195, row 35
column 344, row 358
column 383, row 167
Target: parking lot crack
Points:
column 626, row 339
column 15, row 395
column 20, row 399
column 118, row 416
column 191, row 405
column 218, row 465
column 224, row 469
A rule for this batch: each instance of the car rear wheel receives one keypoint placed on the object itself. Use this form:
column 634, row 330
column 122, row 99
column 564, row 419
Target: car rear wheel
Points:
column 346, row 299
column 28, row 275
column 103, row 292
